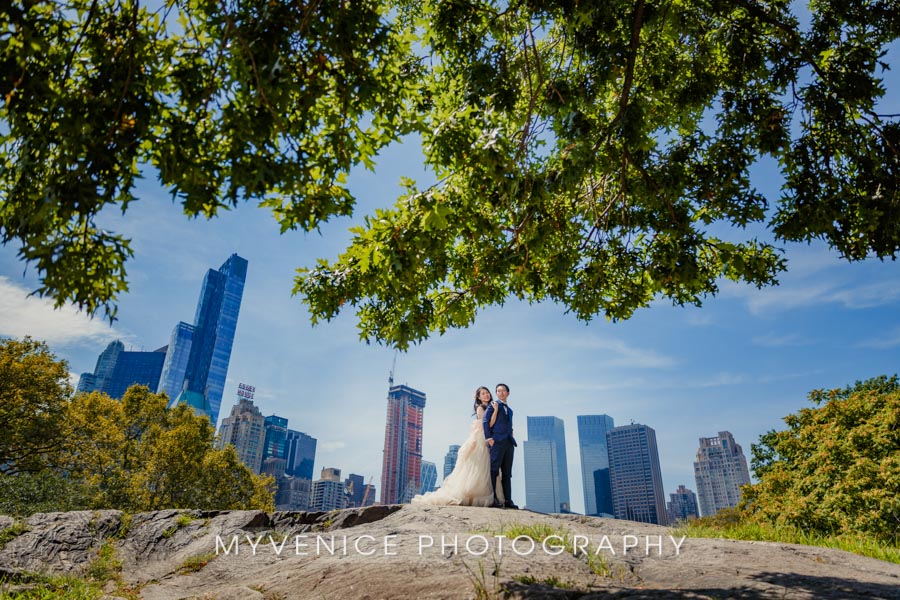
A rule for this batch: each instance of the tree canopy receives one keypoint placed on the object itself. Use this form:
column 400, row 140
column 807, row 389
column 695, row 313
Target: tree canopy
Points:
column 585, row 152
column 836, row 468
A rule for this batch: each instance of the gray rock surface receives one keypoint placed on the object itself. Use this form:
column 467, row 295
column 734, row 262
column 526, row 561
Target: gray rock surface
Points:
column 396, row 552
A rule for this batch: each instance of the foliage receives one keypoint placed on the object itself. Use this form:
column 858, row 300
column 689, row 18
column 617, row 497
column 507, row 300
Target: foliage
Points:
column 39, row 587
column 45, row 491
column 596, row 154
column 135, row 454
column 836, row 469
column 34, row 389
column 12, row 532
column 743, row 526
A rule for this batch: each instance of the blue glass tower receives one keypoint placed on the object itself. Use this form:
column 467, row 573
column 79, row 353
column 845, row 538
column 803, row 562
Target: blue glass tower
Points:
column 276, row 434
column 595, row 463
column 300, row 453
column 117, row 370
column 635, row 476
column 546, row 468
column 211, row 339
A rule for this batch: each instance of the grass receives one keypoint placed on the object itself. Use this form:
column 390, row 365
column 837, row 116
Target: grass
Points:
column 12, row 532
column 485, row 589
column 742, row 530
column 551, row 581
column 192, row 564
column 40, row 587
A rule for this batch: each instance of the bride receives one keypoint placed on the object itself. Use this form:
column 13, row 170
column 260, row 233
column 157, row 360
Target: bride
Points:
column 470, row 482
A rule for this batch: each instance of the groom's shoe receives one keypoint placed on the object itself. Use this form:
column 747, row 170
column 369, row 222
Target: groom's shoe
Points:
column 510, row 505
column 498, row 505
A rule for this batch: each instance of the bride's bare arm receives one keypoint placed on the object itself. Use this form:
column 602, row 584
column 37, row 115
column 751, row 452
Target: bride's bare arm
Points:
column 479, row 413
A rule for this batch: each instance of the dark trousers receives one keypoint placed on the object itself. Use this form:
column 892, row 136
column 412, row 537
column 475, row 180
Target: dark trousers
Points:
column 501, row 463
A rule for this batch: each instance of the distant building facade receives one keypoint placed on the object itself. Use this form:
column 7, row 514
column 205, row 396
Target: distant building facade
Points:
column 635, row 475
column 276, row 437
column 450, row 459
column 595, row 463
column 401, row 469
column 199, row 380
column 300, row 454
column 429, row 476
column 328, row 492
column 546, row 468
column 719, row 471
column 293, row 493
column 682, row 505
column 118, row 369
column 245, row 429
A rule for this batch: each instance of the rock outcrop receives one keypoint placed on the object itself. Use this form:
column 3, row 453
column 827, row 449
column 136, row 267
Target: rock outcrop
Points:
column 428, row 552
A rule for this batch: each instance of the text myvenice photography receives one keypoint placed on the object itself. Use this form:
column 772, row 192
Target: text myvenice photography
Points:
column 446, row 544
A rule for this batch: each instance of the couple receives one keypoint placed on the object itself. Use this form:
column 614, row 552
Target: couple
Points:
column 484, row 461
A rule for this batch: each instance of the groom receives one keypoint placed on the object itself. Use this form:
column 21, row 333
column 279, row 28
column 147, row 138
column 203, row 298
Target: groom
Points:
column 499, row 436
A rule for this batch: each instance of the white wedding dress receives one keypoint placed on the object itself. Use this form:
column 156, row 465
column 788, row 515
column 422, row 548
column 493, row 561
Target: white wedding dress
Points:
column 470, row 482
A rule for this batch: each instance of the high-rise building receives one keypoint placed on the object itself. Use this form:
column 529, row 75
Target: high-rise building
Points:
column 201, row 380
column 401, row 469
column 450, row 459
column 245, row 429
column 293, row 493
column 106, row 362
column 682, row 506
column 595, row 463
column 328, row 492
column 546, row 468
column 720, row 470
column 356, row 489
column 300, row 454
column 429, row 476
column 635, row 476
column 118, row 370
column 276, row 436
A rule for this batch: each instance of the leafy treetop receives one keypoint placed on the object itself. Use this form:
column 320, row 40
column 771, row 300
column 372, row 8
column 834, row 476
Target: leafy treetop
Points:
column 584, row 152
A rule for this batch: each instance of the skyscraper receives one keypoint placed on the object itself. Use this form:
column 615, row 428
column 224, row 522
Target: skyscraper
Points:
column 276, row 436
column 300, row 454
column 356, row 489
column 117, row 370
column 245, row 429
column 450, row 459
column 401, row 469
column 106, row 362
column 720, row 470
column 635, row 476
column 595, row 463
column 546, row 468
column 682, row 506
column 199, row 379
column 328, row 492
column 429, row 476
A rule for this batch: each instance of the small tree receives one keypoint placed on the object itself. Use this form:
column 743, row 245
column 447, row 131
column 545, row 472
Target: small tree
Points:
column 34, row 390
column 836, row 468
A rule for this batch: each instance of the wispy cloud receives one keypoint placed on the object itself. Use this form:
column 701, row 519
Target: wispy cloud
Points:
column 795, row 295
column 883, row 342
column 773, row 340
column 613, row 352
column 29, row 315
column 331, row 446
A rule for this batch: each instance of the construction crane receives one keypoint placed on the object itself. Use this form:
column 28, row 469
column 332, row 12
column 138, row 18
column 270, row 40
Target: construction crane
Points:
column 368, row 487
column 393, row 366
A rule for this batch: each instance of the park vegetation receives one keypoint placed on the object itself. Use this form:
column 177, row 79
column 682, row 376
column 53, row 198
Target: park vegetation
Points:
column 65, row 451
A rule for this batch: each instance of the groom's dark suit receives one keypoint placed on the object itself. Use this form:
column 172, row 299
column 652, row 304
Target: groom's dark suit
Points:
column 503, row 449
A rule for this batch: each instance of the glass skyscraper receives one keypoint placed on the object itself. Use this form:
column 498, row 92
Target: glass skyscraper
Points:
column 450, row 459
column 300, row 453
column 117, row 370
column 595, row 463
column 546, row 468
column 202, row 380
column 635, row 476
column 429, row 476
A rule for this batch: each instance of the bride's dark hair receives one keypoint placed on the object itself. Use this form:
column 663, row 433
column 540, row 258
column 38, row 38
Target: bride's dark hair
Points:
column 477, row 402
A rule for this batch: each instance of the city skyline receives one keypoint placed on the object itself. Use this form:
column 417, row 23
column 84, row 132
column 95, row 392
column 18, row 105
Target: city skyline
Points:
column 742, row 362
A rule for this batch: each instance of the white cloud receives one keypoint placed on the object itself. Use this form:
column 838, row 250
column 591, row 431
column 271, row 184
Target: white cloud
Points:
column 331, row 446
column 891, row 340
column 29, row 315
column 614, row 353
column 794, row 295
column 771, row 340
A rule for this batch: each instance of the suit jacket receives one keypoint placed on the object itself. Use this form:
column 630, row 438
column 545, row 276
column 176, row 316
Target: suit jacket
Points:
column 502, row 429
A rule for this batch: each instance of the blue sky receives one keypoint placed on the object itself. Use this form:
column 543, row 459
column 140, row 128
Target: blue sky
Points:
column 740, row 363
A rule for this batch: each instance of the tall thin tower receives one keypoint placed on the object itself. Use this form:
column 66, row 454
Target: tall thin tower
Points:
column 401, row 470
